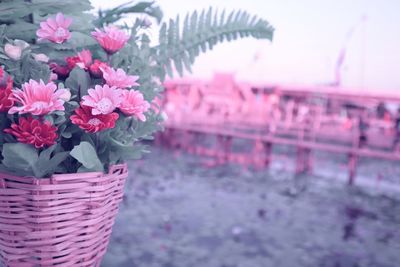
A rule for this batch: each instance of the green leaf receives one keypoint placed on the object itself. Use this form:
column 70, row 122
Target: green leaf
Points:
column 120, row 151
column 32, row 69
column 115, row 14
column 3, row 124
column 79, row 39
column 19, row 158
column 46, row 164
column 78, row 82
column 87, row 156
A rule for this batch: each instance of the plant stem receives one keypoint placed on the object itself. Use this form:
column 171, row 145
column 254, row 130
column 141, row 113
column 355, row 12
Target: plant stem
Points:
column 108, row 59
column 97, row 141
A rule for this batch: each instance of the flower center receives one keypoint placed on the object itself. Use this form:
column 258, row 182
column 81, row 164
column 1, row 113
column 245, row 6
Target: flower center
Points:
column 60, row 32
column 94, row 121
column 39, row 105
column 105, row 106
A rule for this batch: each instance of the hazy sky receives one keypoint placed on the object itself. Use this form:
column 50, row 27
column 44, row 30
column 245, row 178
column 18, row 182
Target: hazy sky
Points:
column 308, row 38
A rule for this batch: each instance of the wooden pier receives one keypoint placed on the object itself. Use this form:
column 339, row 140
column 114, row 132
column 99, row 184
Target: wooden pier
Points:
column 313, row 119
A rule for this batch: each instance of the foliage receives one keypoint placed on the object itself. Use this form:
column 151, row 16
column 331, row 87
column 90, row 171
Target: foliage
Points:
column 202, row 32
column 115, row 14
column 76, row 149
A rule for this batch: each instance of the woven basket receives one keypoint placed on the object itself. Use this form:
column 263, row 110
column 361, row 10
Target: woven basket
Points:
column 64, row 220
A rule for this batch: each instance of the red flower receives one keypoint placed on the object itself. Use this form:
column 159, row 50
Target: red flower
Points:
column 6, row 84
column 85, row 57
column 82, row 60
column 84, row 118
column 72, row 61
column 34, row 132
column 95, row 68
column 3, row 78
column 61, row 71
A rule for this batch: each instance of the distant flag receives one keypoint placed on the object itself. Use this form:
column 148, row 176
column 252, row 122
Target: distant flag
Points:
column 342, row 53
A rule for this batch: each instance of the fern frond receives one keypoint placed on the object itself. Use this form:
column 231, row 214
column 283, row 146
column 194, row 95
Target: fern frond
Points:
column 132, row 7
column 202, row 32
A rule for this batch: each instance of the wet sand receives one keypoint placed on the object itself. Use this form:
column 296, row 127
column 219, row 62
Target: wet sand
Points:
column 177, row 213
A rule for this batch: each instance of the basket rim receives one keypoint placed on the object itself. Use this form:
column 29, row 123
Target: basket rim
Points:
column 112, row 168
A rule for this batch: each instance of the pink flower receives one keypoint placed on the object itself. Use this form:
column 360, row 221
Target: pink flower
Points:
column 133, row 104
column 111, row 39
column 103, row 99
column 37, row 98
column 55, row 30
column 119, row 78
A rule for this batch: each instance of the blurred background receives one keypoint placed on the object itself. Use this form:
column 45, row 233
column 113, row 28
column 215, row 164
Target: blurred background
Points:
column 282, row 153
column 312, row 38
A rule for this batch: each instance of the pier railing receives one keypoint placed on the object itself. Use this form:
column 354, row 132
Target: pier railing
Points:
column 356, row 125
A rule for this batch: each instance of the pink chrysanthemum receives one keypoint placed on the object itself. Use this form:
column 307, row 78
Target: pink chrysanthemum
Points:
column 55, row 30
column 119, row 78
column 111, row 39
column 133, row 104
column 103, row 99
column 37, row 98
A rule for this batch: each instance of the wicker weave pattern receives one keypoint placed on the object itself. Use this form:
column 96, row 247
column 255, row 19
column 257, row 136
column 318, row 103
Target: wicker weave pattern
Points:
column 65, row 220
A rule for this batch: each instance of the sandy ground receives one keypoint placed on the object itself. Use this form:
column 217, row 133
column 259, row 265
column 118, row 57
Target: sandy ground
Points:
column 177, row 213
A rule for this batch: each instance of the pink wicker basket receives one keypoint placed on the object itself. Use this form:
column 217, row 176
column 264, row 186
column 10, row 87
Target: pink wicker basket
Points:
column 65, row 220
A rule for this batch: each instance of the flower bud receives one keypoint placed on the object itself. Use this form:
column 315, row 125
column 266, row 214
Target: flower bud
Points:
column 53, row 76
column 164, row 116
column 66, row 95
column 13, row 51
column 21, row 43
column 146, row 23
column 41, row 58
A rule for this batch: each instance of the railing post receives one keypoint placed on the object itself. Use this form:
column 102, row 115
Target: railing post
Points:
column 299, row 160
column 227, row 148
column 224, row 147
column 303, row 160
column 352, row 166
column 307, row 160
column 267, row 153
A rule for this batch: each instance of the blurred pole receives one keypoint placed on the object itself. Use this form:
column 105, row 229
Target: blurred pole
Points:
column 342, row 53
column 363, row 44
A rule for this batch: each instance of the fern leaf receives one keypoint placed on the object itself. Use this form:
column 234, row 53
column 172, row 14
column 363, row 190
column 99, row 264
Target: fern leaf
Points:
column 115, row 14
column 200, row 32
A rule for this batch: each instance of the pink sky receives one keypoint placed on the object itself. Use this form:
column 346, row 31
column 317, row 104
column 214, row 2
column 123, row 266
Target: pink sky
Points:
column 309, row 35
